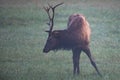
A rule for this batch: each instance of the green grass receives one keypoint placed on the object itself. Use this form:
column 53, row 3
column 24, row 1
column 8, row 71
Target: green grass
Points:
column 22, row 39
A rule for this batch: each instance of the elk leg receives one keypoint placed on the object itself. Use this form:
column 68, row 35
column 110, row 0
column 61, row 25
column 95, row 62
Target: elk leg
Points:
column 76, row 57
column 87, row 51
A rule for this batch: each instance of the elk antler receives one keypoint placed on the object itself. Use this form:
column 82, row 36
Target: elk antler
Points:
column 51, row 16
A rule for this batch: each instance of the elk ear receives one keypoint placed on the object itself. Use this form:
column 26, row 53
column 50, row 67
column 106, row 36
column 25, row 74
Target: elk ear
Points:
column 56, row 34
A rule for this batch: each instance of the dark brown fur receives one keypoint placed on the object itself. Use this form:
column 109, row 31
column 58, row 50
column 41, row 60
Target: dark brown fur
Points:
column 75, row 37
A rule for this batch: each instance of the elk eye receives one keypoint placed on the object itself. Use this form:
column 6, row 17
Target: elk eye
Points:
column 50, row 39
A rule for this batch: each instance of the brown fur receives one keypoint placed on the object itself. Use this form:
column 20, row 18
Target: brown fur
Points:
column 79, row 26
column 76, row 34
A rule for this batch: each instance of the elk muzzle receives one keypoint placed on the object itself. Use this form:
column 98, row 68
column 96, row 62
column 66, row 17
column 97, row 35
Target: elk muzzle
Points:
column 51, row 43
column 45, row 50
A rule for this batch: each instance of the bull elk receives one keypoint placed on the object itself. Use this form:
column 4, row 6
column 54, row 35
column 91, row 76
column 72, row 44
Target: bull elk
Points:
column 76, row 37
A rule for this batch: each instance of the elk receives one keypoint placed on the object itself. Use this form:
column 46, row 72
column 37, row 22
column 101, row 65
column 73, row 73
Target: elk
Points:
column 76, row 37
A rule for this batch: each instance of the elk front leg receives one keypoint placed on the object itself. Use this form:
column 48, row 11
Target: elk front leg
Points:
column 76, row 57
column 87, row 51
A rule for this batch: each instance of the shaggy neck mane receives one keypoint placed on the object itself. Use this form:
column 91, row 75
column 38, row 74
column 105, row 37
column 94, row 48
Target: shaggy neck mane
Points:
column 65, row 42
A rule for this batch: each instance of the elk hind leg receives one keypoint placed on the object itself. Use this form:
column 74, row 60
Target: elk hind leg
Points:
column 76, row 57
column 88, row 53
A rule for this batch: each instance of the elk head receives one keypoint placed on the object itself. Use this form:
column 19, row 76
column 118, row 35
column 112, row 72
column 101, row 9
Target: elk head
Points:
column 52, row 40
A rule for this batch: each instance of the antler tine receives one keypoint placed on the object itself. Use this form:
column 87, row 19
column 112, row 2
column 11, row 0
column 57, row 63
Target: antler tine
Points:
column 58, row 5
column 47, row 9
column 53, row 12
column 53, row 8
column 51, row 16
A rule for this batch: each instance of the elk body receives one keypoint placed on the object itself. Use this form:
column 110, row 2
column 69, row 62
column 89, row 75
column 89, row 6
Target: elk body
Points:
column 76, row 38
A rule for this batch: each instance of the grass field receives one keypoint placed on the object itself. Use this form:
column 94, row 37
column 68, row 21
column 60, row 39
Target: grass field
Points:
column 22, row 38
